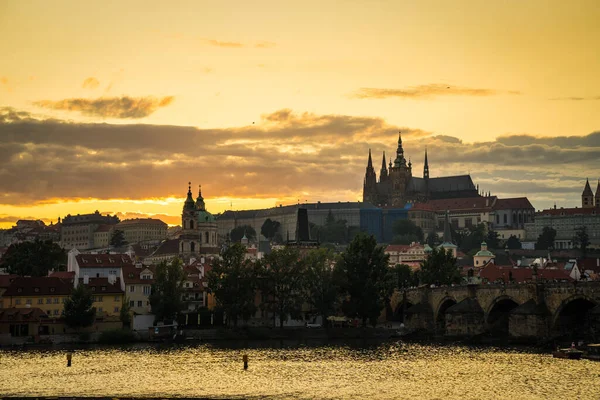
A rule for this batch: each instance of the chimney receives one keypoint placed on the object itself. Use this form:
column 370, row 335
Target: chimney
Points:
column 487, row 201
column 86, row 279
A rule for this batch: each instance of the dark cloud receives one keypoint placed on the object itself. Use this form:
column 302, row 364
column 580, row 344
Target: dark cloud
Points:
column 425, row 92
column 283, row 155
column 124, row 107
column 90, row 83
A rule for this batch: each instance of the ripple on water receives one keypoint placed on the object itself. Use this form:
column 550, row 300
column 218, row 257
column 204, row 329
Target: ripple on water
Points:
column 389, row 371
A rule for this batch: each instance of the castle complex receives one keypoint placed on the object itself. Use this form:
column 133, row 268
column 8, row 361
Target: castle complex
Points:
column 397, row 185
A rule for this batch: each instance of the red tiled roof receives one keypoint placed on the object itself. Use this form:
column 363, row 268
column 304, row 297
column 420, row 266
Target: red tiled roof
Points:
column 516, row 202
column 463, row 204
column 402, row 247
column 5, row 280
column 103, row 260
column 170, row 246
column 21, row 314
column 493, row 272
column 142, row 221
column 46, row 286
column 589, row 264
column 568, row 211
column 66, row 275
column 132, row 275
column 103, row 228
column 96, row 285
column 421, row 207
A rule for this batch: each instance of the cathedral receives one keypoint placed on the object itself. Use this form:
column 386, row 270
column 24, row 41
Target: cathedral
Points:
column 198, row 227
column 397, row 185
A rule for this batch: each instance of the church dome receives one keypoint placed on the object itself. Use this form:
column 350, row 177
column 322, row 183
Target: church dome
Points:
column 189, row 201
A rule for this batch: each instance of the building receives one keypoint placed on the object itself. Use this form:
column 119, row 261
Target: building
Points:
column 107, row 294
column 587, row 197
column 102, row 236
column 483, row 256
column 98, row 266
column 424, row 216
column 46, row 293
column 138, row 285
column 5, row 281
column 143, row 230
column 77, row 231
column 199, row 233
column 397, row 185
column 195, row 293
column 410, row 254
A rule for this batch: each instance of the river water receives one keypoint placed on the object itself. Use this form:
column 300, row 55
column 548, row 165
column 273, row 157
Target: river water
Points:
column 386, row 371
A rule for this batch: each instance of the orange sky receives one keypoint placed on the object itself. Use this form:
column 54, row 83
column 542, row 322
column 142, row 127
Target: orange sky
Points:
column 115, row 106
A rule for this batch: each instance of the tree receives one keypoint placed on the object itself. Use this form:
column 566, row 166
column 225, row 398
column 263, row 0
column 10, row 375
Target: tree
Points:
column 78, row 311
column 269, row 228
column 439, row 268
column 546, row 239
column 232, row 280
column 406, row 227
column 118, row 238
column 405, row 277
column 581, row 240
column 167, row 291
column 492, row 240
column 125, row 313
column 321, row 283
column 432, row 239
column 237, row 234
column 472, row 237
column 34, row 258
column 366, row 279
column 282, row 283
column 513, row 243
column 404, row 239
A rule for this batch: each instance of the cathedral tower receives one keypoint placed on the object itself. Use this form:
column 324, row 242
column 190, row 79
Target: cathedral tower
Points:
column 587, row 197
column 383, row 174
column 598, row 194
column 370, row 183
column 399, row 176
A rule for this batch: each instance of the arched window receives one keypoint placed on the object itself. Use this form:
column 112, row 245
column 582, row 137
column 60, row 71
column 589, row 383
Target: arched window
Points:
column 193, row 247
column 206, row 236
column 181, row 246
column 191, row 224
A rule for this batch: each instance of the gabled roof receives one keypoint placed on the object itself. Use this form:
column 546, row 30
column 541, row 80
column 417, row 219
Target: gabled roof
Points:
column 96, row 285
column 141, row 221
column 464, row 204
column 5, row 280
column 169, row 246
column 133, row 275
column 11, row 315
column 516, row 202
column 103, row 260
column 39, row 286
column 66, row 275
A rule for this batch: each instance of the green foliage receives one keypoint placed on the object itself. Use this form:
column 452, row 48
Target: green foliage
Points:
column 513, row 243
column 404, row 276
column 581, row 240
column 78, row 311
column 117, row 336
column 233, row 282
column 366, row 278
column 321, row 282
column 433, row 239
column 493, row 240
column 439, row 268
column 238, row 233
column 34, row 258
column 407, row 228
column 546, row 239
column 334, row 231
column 270, row 228
column 281, row 275
column 165, row 297
column 471, row 238
column 125, row 313
column 404, row 239
column 118, row 238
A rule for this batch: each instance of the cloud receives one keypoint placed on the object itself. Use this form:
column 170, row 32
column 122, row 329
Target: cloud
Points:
column 217, row 43
column 576, row 98
column 110, row 107
column 238, row 45
column 286, row 155
column 265, row 45
column 90, row 83
column 425, row 92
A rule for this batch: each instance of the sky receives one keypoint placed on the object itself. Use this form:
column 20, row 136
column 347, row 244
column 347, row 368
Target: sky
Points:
column 115, row 106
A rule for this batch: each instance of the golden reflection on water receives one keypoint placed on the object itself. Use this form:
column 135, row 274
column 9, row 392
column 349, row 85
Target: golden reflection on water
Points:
column 390, row 371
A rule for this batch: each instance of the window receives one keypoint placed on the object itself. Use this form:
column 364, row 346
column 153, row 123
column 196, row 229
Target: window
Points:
column 28, row 301
column 52, row 290
column 55, row 312
column 100, row 309
column 147, row 290
column 131, row 289
column 37, row 289
column 116, row 309
column 131, row 303
column 56, row 300
column 117, row 298
column 104, row 288
column 40, row 301
column 48, row 301
column 140, row 303
column 18, row 301
column 505, row 218
column 99, row 298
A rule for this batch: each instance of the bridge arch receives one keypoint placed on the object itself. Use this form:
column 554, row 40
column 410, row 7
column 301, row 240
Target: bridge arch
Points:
column 497, row 314
column 440, row 314
column 571, row 317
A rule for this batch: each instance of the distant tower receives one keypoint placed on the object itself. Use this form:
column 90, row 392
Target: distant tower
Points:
column 188, row 240
column 597, row 195
column 383, row 174
column 426, row 168
column 587, row 197
column 370, row 184
column 399, row 176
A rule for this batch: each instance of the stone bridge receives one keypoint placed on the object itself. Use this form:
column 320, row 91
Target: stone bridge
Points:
column 528, row 310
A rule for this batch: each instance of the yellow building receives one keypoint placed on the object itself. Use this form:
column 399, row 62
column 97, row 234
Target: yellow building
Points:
column 138, row 284
column 107, row 295
column 46, row 293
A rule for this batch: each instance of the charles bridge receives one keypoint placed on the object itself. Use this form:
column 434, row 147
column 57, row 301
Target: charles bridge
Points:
column 527, row 310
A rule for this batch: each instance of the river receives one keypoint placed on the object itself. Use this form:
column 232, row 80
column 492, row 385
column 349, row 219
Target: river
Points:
column 391, row 370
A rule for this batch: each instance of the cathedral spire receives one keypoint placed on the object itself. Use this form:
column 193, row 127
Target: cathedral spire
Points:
column 400, row 160
column 383, row 174
column 370, row 163
column 426, row 167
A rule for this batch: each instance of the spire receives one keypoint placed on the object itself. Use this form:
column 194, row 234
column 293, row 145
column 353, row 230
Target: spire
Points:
column 426, row 167
column 598, row 188
column 383, row 166
column 383, row 173
column 400, row 160
column 587, row 191
column 189, row 201
column 447, row 233
column 200, row 200
column 370, row 163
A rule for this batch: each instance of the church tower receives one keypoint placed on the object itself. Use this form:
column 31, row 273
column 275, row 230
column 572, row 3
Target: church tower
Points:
column 598, row 194
column 188, row 240
column 370, row 183
column 383, row 174
column 587, row 197
column 399, row 176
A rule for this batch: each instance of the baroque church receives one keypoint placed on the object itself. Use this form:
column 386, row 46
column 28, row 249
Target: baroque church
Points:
column 198, row 227
column 397, row 185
